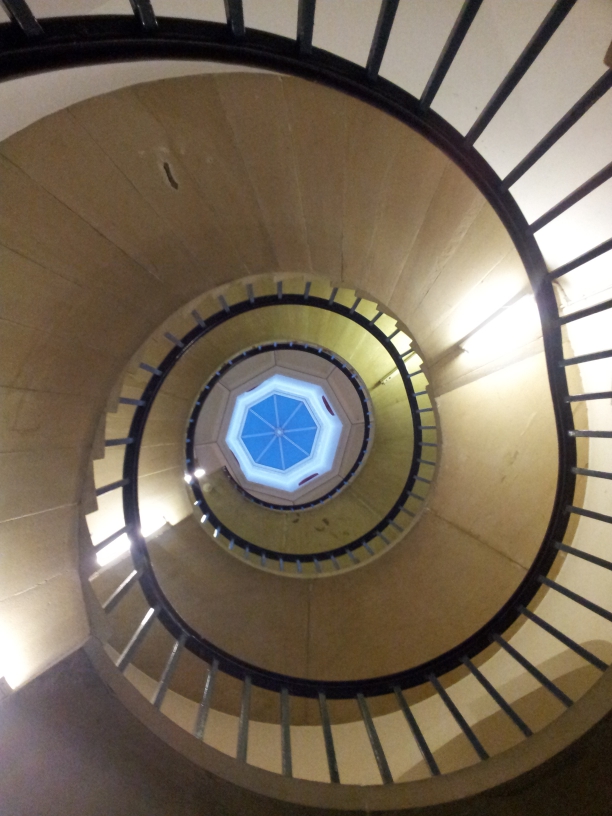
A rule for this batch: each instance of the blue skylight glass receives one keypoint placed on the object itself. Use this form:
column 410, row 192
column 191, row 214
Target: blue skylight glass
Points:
column 279, row 432
column 283, row 432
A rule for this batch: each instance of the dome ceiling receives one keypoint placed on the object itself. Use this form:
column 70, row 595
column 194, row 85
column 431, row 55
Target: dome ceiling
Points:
column 280, row 431
column 286, row 431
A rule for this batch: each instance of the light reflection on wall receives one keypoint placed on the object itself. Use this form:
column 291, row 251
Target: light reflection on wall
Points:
column 512, row 327
column 14, row 664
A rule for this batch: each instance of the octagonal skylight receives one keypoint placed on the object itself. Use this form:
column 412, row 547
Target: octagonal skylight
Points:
column 284, row 432
column 279, row 432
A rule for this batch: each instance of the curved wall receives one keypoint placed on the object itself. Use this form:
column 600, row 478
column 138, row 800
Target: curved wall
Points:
column 273, row 175
column 17, row 571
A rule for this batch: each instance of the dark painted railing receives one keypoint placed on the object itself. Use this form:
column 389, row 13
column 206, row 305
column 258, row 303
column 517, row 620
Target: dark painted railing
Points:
column 263, row 349
column 29, row 46
column 413, row 467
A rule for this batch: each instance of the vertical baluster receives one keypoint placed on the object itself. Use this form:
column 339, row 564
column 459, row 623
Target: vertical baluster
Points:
column 102, row 544
column 449, row 52
column 593, row 95
column 286, row 733
column 565, row 639
column 377, row 749
column 332, row 763
column 417, row 733
column 547, row 28
column 131, row 401
column 573, row 198
column 595, row 252
column 169, row 670
column 121, row 591
column 202, row 717
column 573, row 596
column 199, row 320
column 384, row 24
column 541, row 678
column 235, row 17
column 305, row 27
column 21, row 14
column 243, row 724
column 501, row 702
column 139, row 635
column 458, row 717
column 143, row 10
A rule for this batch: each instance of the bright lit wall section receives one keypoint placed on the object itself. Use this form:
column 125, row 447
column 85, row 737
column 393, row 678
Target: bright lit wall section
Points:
column 283, row 433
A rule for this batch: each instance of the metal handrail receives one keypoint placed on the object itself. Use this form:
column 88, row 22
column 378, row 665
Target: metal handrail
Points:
column 215, row 41
column 398, row 505
column 280, row 346
column 29, row 46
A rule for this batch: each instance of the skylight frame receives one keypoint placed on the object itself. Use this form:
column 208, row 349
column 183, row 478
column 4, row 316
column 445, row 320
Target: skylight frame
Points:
column 325, row 445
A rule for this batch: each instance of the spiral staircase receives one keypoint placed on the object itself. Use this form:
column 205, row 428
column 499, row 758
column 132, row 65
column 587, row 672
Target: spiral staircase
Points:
column 400, row 193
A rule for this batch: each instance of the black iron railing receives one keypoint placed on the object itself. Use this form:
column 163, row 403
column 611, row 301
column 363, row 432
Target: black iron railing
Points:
column 262, row 349
column 397, row 505
column 30, row 46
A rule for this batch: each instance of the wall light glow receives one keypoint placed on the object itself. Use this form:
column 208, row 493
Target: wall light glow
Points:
column 14, row 665
column 199, row 472
column 482, row 301
column 151, row 523
column 510, row 328
column 114, row 550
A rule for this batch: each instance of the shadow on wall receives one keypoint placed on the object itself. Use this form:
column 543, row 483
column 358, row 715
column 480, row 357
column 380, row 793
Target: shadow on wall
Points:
column 537, row 709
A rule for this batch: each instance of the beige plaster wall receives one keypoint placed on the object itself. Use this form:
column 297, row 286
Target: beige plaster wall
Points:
column 28, row 421
column 331, row 628
column 451, row 749
column 468, row 562
column 98, row 248
column 126, row 766
column 360, row 506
